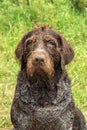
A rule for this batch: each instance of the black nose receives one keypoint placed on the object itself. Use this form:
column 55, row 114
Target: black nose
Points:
column 38, row 60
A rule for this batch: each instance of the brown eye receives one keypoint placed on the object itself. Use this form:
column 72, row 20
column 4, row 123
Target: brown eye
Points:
column 29, row 42
column 51, row 44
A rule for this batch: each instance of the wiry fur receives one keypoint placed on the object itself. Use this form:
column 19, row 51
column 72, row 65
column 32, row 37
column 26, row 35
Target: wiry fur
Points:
column 43, row 98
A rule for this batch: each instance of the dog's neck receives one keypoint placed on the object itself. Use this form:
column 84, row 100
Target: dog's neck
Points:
column 45, row 88
column 41, row 91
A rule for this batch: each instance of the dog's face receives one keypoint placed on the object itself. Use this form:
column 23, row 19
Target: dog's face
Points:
column 42, row 50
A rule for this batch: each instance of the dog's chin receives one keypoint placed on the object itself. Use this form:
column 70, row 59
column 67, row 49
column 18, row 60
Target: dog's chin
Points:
column 41, row 73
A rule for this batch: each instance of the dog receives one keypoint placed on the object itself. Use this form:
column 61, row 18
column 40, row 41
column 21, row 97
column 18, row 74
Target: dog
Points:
column 43, row 99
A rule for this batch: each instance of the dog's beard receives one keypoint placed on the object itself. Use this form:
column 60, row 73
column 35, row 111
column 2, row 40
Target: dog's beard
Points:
column 39, row 75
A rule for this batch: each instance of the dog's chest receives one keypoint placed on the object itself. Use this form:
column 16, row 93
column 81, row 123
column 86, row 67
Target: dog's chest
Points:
column 48, row 107
column 38, row 95
column 51, row 118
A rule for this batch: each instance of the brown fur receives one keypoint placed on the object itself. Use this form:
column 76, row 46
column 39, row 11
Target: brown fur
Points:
column 43, row 98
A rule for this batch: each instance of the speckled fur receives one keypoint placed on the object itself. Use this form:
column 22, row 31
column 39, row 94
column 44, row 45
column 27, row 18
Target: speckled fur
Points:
column 29, row 115
column 42, row 102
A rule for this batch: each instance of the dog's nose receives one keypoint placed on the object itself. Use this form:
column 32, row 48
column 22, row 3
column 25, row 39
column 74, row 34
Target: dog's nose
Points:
column 38, row 60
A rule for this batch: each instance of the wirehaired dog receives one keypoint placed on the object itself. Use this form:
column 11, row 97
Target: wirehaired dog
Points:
column 43, row 98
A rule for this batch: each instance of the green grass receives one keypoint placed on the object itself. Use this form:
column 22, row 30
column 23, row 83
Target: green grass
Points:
column 15, row 20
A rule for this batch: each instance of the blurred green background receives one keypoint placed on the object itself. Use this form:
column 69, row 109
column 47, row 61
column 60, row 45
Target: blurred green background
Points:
column 18, row 17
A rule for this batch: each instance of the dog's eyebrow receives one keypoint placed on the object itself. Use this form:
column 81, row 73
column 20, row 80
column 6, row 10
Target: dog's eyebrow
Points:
column 32, row 38
column 48, row 38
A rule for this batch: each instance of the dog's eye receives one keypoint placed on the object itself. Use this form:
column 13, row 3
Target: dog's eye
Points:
column 51, row 44
column 29, row 42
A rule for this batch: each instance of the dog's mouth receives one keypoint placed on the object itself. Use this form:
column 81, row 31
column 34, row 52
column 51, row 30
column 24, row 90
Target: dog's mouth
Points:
column 40, row 70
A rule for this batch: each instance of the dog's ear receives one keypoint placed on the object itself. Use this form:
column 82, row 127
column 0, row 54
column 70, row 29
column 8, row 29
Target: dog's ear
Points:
column 19, row 52
column 66, row 51
column 19, row 49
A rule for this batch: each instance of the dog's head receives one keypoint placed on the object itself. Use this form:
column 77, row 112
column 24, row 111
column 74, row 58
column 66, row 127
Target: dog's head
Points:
column 42, row 50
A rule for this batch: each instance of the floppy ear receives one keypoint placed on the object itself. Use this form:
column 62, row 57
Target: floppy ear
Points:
column 19, row 52
column 66, row 51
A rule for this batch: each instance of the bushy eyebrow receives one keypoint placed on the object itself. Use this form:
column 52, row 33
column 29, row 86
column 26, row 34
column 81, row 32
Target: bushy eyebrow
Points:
column 32, row 38
column 48, row 38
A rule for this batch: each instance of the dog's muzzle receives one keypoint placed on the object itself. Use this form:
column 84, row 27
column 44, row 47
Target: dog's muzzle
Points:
column 40, row 62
